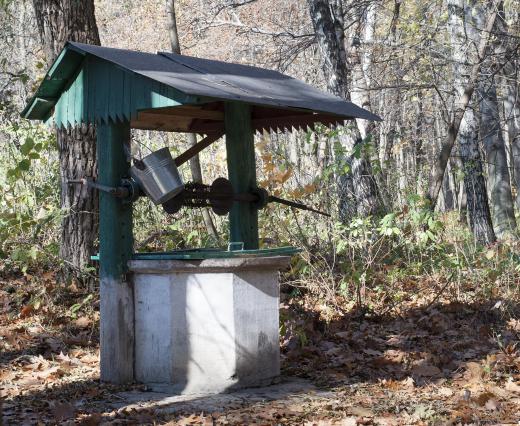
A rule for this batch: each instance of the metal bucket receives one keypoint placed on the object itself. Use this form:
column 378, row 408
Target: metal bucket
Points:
column 158, row 176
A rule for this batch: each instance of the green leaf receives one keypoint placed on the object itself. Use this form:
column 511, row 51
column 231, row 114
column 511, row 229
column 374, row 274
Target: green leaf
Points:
column 27, row 146
column 24, row 165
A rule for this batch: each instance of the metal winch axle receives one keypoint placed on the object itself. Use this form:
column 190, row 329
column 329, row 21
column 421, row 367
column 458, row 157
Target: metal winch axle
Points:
column 220, row 197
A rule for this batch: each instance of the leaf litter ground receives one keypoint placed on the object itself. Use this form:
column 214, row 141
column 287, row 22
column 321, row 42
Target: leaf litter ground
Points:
column 418, row 363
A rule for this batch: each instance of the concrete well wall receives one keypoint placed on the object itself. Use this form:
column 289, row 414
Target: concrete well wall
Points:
column 207, row 326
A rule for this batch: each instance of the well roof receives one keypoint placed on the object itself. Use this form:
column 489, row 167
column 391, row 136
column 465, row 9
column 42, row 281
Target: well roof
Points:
column 166, row 91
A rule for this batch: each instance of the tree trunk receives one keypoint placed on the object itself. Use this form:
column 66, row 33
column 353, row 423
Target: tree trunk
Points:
column 507, row 54
column 498, row 171
column 357, row 188
column 477, row 207
column 195, row 168
column 58, row 22
column 499, row 179
column 462, row 103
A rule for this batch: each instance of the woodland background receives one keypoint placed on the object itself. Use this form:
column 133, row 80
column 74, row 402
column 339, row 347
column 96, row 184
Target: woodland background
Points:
column 424, row 204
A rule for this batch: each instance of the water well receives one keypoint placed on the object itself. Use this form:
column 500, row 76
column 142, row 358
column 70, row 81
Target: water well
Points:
column 200, row 320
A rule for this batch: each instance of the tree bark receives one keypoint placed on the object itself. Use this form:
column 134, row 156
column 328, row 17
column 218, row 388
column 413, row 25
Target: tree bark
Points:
column 498, row 171
column 462, row 104
column 195, row 168
column 462, row 35
column 502, row 206
column 358, row 191
column 507, row 54
column 60, row 21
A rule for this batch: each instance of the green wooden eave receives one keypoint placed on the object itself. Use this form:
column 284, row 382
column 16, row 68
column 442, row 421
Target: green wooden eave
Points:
column 81, row 88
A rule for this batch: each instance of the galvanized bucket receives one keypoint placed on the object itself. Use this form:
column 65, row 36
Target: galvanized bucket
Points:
column 158, row 176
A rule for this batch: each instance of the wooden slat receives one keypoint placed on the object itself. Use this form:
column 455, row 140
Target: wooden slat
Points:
column 192, row 112
column 161, row 122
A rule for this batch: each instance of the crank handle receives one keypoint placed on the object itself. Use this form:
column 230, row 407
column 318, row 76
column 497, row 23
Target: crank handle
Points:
column 116, row 191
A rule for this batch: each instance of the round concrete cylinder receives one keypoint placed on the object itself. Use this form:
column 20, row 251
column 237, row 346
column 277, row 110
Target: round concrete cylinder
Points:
column 207, row 326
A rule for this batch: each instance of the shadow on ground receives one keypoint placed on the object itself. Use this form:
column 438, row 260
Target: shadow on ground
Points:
column 423, row 344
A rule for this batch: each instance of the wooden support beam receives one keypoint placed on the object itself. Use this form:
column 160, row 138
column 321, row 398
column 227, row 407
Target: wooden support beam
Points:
column 115, row 249
column 195, row 149
column 243, row 218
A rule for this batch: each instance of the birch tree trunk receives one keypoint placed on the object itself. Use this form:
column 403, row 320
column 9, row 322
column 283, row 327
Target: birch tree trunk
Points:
column 60, row 21
column 507, row 51
column 502, row 206
column 357, row 190
column 498, row 171
column 477, row 206
column 462, row 103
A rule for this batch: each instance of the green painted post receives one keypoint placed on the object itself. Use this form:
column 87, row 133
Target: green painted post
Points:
column 115, row 249
column 243, row 218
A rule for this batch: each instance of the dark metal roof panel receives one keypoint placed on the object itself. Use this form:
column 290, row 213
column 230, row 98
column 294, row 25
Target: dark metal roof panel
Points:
column 227, row 81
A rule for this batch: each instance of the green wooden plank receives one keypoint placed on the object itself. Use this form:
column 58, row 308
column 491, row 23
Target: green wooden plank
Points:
column 39, row 107
column 71, row 107
column 51, row 89
column 115, row 216
column 217, row 254
column 243, row 217
column 101, row 86
column 211, row 253
column 127, row 93
column 116, row 94
column 65, row 65
column 80, row 96
column 106, row 78
column 60, row 110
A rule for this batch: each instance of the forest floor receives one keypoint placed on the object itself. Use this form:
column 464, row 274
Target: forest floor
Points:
column 429, row 359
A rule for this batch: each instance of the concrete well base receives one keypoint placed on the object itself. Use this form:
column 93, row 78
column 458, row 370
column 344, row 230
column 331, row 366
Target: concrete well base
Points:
column 207, row 326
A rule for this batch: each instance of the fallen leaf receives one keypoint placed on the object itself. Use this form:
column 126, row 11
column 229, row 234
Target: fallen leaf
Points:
column 90, row 358
column 425, row 370
column 91, row 420
column 83, row 322
column 492, row 404
column 474, row 371
column 63, row 411
column 409, row 383
column 348, row 421
column 483, row 398
column 361, row 411
column 512, row 386
column 445, row 392
column 26, row 311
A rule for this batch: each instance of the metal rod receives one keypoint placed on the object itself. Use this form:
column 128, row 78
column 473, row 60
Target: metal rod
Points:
column 300, row 206
column 116, row 191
